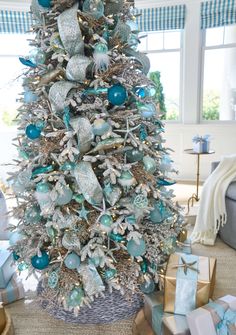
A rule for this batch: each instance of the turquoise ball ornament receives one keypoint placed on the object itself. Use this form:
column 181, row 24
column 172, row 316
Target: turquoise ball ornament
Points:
column 75, row 297
column 43, row 187
column 151, row 91
column 110, row 273
column 135, row 249
column 15, row 256
column 134, row 155
column 32, row 215
column 150, row 164
column 117, row 95
column 37, row 56
column 100, row 127
column 15, row 237
column 100, row 48
column 32, row 132
column 148, row 286
column 45, row 3
column 30, row 97
column 144, row 266
column 106, row 222
column 72, row 261
column 147, row 110
column 126, row 179
column 79, row 198
column 64, row 197
column 140, row 92
column 94, row 8
column 40, row 262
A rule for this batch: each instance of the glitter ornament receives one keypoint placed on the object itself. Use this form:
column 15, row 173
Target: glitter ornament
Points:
column 22, row 266
column 53, row 279
column 40, row 262
column 100, row 56
column 126, row 179
column 157, row 214
column 37, row 56
column 134, row 155
column 94, row 8
column 136, row 249
column 32, row 132
column 72, row 261
column 117, row 95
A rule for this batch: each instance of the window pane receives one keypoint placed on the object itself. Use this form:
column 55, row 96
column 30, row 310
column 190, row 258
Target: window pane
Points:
column 15, row 44
column 155, row 41
column 219, row 88
column 168, row 63
column 214, row 36
column 172, row 40
column 230, row 34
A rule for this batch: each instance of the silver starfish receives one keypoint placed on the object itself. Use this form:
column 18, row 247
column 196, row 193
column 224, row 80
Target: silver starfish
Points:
column 128, row 131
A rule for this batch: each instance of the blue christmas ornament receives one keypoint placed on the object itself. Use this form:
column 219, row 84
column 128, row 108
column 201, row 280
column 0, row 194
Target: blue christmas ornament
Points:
column 147, row 110
column 75, row 297
column 116, row 237
column 40, row 124
column 15, row 237
column 79, row 198
column 32, row 132
column 94, row 8
column 15, row 256
column 43, row 187
column 133, row 25
column 143, row 132
column 42, row 169
column 72, row 261
column 140, row 92
column 37, row 56
column 157, row 214
column 164, row 182
column 144, row 266
column 68, row 166
column 151, row 91
column 117, row 94
column 150, row 164
column 133, row 41
column 148, row 286
column 110, row 273
column 40, row 262
column 100, row 48
column 134, row 155
column 106, row 223
column 53, row 279
column 169, row 245
column 135, row 249
column 100, row 127
column 45, row 3
column 32, row 215
column 30, row 97
column 65, row 196
column 22, row 266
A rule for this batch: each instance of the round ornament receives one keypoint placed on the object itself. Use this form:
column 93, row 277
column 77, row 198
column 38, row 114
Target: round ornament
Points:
column 100, row 127
column 72, row 261
column 67, row 166
column 117, row 95
column 40, row 262
column 75, row 297
column 15, row 237
column 140, row 92
column 151, row 91
column 110, row 273
column 37, row 56
column 134, row 155
column 148, row 286
column 79, row 198
column 44, row 3
column 32, row 215
column 30, row 97
column 43, row 187
column 94, row 8
column 149, row 164
column 126, row 179
column 106, row 222
column 147, row 110
column 64, row 197
column 136, row 249
column 100, row 48
column 32, row 132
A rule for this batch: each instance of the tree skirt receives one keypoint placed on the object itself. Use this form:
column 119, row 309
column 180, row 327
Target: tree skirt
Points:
column 113, row 307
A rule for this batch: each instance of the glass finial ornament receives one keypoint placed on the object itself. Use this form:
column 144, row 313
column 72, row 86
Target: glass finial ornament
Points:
column 136, row 249
column 147, row 110
column 40, row 262
column 37, row 56
column 94, row 8
column 75, row 297
column 106, row 223
column 100, row 127
column 117, row 95
column 44, row 3
column 72, row 261
column 32, row 132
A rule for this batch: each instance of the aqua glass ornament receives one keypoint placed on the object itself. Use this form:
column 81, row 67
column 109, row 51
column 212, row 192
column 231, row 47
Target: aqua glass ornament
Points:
column 32, row 132
column 126, row 179
column 143, row 132
column 40, row 262
column 53, row 279
column 147, row 110
column 15, row 256
column 45, row 3
column 95, row 261
column 32, row 215
column 68, row 166
column 100, row 127
column 117, row 95
column 136, row 249
column 94, row 8
column 110, row 273
column 43, row 187
column 15, row 237
column 148, row 286
column 75, row 297
column 100, row 48
column 72, row 261
column 64, row 196
column 37, row 56
column 116, row 237
column 22, row 266
column 150, row 164
column 79, row 198
column 106, row 222
column 30, row 97
column 134, row 155
column 140, row 92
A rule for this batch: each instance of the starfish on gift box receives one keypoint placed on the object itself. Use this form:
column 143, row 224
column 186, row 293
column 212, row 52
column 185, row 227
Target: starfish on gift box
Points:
column 187, row 266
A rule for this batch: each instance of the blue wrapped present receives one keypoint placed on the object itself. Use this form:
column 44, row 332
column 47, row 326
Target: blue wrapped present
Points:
column 6, row 265
column 201, row 144
column 14, row 291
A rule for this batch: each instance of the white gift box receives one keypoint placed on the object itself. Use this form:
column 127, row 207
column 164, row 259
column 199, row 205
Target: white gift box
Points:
column 200, row 320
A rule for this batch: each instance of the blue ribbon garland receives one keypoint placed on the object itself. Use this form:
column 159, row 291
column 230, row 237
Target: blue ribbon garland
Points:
column 227, row 318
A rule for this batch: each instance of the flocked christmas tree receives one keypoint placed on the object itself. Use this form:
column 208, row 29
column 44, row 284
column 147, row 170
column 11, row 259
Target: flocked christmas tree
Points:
column 94, row 206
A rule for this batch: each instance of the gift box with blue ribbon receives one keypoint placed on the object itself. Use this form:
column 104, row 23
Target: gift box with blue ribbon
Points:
column 216, row 318
column 6, row 264
column 162, row 323
column 188, row 283
column 14, row 291
column 201, row 144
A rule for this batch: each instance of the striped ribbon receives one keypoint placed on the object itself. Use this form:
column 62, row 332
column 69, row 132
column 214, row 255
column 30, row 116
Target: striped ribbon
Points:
column 218, row 13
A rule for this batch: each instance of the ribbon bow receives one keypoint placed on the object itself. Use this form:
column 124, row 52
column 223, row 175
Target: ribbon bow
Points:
column 228, row 320
column 186, row 266
column 197, row 138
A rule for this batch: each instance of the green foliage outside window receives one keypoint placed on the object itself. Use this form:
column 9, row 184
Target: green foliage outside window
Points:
column 211, row 105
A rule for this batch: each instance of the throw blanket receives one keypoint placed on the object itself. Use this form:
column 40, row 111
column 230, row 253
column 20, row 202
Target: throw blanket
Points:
column 212, row 212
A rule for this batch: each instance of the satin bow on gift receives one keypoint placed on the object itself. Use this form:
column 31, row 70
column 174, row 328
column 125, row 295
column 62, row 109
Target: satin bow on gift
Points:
column 228, row 319
column 197, row 138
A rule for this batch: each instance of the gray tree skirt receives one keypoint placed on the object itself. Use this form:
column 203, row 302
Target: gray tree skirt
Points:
column 113, row 307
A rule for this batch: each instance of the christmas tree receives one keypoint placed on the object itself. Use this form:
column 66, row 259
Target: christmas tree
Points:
column 94, row 208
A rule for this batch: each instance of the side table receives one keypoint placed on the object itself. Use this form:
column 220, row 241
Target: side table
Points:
column 195, row 196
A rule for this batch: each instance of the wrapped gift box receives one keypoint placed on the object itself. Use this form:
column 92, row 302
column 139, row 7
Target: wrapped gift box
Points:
column 6, row 264
column 163, row 323
column 201, row 144
column 189, row 282
column 218, row 315
column 14, row 291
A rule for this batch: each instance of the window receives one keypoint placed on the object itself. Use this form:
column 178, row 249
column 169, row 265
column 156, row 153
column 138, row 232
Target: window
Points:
column 164, row 51
column 219, row 75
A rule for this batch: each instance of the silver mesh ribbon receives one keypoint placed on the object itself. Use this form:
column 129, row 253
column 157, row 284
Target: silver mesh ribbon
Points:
column 69, row 30
column 88, row 183
column 92, row 282
column 84, row 131
column 76, row 68
column 58, row 94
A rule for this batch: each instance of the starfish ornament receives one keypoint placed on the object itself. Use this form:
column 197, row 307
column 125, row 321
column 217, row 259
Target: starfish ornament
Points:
column 186, row 266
